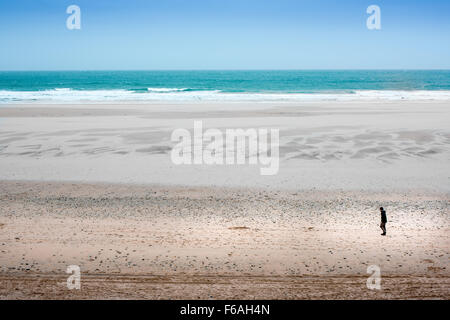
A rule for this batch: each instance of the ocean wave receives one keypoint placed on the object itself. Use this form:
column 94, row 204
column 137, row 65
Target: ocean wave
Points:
column 185, row 94
column 167, row 90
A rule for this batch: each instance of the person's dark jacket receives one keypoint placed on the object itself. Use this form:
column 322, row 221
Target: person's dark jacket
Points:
column 383, row 216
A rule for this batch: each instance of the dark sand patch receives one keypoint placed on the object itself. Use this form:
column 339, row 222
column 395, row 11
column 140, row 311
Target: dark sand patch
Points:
column 238, row 228
column 155, row 150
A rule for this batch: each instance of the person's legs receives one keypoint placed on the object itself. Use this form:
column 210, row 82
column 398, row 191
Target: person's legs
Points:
column 383, row 227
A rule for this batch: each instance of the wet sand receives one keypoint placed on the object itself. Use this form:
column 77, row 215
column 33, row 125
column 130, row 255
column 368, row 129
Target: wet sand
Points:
column 381, row 145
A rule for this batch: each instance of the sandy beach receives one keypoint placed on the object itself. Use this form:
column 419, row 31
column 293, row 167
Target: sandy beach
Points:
column 93, row 185
column 333, row 145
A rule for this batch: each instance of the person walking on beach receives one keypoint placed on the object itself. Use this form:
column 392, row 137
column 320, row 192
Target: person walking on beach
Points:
column 383, row 221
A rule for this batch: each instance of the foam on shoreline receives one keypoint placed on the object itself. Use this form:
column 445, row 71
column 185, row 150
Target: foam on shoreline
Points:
column 63, row 95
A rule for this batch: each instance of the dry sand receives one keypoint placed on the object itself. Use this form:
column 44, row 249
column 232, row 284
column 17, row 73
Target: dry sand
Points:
column 93, row 185
column 193, row 242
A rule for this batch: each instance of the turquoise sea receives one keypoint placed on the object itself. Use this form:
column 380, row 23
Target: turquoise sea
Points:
column 223, row 85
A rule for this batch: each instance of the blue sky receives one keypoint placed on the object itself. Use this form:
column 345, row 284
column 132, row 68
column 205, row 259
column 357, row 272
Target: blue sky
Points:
column 224, row 34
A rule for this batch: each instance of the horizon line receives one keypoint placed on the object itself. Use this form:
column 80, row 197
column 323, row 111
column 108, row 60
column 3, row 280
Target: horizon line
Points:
column 262, row 69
